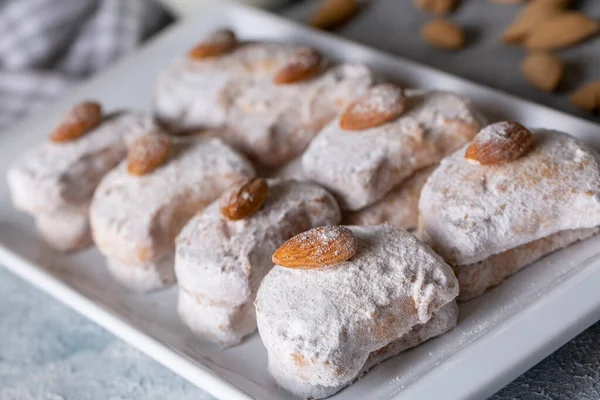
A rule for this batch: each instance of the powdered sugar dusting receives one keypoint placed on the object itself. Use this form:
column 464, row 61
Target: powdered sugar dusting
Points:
column 333, row 318
column 306, row 57
column 194, row 95
column 381, row 99
column 500, row 142
column 55, row 181
column 318, row 247
column 471, row 212
column 497, row 132
column 361, row 168
column 271, row 123
column 220, row 263
column 153, row 146
column 398, row 208
column 135, row 218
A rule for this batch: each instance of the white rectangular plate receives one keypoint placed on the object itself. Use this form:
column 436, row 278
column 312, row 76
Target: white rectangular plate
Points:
column 499, row 336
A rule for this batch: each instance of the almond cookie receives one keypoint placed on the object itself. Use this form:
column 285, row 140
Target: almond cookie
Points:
column 55, row 181
column 398, row 208
column 196, row 93
column 361, row 166
column 490, row 212
column 135, row 218
column 323, row 327
column 274, row 123
column 270, row 99
column 220, row 262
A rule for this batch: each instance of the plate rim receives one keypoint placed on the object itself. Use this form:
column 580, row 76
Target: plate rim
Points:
column 195, row 372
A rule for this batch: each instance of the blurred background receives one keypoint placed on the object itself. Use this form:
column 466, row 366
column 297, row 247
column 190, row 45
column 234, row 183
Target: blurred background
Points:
column 46, row 46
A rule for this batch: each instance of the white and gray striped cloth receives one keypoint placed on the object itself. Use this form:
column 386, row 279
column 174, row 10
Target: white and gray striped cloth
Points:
column 47, row 45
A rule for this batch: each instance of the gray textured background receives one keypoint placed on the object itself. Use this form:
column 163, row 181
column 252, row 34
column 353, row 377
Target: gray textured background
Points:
column 49, row 352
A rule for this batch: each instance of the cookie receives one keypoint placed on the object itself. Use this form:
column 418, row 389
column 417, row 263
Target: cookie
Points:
column 136, row 218
column 361, row 166
column 55, row 181
column 490, row 220
column 323, row 326
column 220, row 262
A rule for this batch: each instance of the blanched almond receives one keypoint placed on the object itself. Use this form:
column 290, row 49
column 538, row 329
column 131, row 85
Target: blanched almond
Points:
column 561, row 31
column 82, row 118
column 437, row 7
column 333, row 13
column 244, row 199
column 498, row 143
column 148, row 152
column 304, row 64
column 318, row 247
column 543, row 70
column 218, row 43
column 587, row 97
column 381, row 104
column 443, row 34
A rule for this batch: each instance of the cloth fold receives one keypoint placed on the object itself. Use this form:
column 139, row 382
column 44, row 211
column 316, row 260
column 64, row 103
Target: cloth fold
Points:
column 47, row 45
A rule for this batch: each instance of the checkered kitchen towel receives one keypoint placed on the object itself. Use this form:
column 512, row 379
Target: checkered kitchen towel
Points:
column 47, row 45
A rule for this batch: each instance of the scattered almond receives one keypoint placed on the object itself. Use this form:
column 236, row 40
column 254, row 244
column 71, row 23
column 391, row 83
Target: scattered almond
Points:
column 562, row 3
column 148, row 152
column 587, row 97
column 381, row 104
column 305, row 64
column 333, row 13
column 543, row 70
column 437, row 7
column 244, row 199
column 318, row 247
column 498, row 143
column 561, row 31
column 443, row 34
column 218, row 43
column 82, row 118
column 533, row 14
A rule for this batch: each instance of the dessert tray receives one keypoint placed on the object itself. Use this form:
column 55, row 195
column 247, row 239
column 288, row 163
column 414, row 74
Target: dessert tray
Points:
column 499, row 335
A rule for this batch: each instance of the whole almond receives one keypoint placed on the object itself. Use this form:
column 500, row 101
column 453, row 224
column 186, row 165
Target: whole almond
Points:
column 243, row 199
column 543, row 70
column 561, row 31
column 148, row 152
column 82, row 118
column 318, row 247
column 499, row 143
column 438, row 7
column 381, row 104
column 304, row 64
column 533, row 14
column 443, row 34
column 216, row 44
column 508, row 1
column 587, row 97
column 333, row 13
column 562, row 3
